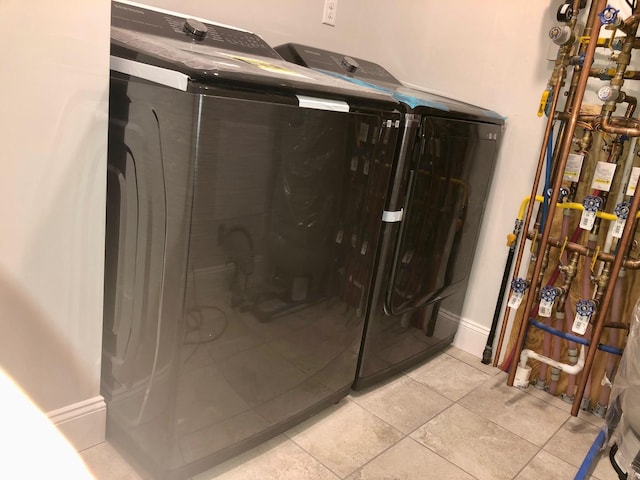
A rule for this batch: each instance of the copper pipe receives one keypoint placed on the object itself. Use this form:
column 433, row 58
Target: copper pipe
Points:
column 591, row 19
column 584, row 251
column 632, row 104
column 608, row 73
column 563, row 154
column 623, row 247
column 607, row 125
column 529, row 214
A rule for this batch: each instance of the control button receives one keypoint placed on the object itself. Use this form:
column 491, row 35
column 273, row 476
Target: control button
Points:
column 349, row 64
column 195, row 28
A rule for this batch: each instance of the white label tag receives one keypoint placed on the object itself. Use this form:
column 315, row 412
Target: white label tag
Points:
column 365, row 168
column 389, row 123
column 339, row 236
column 633, row 181
column 580, row 324
column 515, row 300
column 573, row 168
column 587, row 219
column 545, row 308
column 354, row 164
column 397, row 124
column 603, row 176
column 618, row 227
column 363, row 250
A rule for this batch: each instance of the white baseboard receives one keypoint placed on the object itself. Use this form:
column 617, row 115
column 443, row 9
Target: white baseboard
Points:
column 82, row 423
column 471, row 337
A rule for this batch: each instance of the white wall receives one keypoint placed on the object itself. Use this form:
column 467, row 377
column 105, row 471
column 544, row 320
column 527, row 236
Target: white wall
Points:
column 53, row 128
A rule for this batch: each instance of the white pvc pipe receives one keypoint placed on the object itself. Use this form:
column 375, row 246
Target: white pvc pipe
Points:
column 570, row 369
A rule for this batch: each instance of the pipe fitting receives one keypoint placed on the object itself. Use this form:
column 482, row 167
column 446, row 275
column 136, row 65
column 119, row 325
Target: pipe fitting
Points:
column 522, row 377
column 573, row 355
column 555, row 374
column 585, row 404
column 540, row 384
column 600, row 410
column 526, row 354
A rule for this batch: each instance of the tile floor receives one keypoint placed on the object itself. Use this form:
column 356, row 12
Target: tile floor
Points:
column 451, row 418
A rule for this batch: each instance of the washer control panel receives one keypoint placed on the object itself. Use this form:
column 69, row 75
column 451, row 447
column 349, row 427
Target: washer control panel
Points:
column 189, row 30
column 336, row 62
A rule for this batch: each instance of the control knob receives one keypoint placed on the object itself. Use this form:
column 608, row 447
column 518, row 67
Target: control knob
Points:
column 195, row 28
column 349, row 64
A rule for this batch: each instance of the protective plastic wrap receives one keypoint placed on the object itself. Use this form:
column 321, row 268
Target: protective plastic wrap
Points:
column 623, row 417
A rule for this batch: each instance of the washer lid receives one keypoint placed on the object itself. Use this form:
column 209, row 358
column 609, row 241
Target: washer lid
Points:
column 372, row 75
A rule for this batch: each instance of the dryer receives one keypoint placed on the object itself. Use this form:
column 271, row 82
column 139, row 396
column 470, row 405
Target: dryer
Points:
column 443, row 169
column 244, row 212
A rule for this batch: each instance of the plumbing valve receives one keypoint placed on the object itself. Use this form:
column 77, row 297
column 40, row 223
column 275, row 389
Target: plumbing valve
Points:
column 548, row 295
column 592, row 203
column 584, row 310
column 609, row 15
column 565, row 12
column 622, row 210
column 518, row 287
column 622, row 213
column 563, row 194
column 562, row 35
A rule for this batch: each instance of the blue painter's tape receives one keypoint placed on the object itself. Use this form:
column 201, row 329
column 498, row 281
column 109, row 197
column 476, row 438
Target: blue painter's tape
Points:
column 409, row 100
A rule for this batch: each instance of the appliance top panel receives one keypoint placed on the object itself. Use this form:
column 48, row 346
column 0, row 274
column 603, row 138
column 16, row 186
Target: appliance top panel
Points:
column 366, row 73
column 214, row 55
column 188, row 30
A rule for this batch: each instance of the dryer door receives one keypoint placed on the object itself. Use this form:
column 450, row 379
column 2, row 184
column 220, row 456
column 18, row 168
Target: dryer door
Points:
column 449, row 180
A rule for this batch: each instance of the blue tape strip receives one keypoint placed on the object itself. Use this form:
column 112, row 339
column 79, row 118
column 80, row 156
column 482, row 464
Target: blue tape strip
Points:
column 413, row 102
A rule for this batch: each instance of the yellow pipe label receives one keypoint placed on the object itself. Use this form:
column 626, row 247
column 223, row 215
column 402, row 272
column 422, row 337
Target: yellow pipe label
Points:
column 543, row 102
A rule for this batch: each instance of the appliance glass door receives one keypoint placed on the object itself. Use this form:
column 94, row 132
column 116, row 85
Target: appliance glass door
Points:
column 285, row 224
column 449, row 180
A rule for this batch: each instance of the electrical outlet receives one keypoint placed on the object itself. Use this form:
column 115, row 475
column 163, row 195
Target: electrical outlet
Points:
column 329, row 12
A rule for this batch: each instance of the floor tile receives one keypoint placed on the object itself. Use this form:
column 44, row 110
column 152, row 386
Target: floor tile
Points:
column 527, row 416
column 558, row 402
column 277, row 459
column 402, row 402
column 548, row 467
column 572, row 442
column 449, row 376
column 475, row 444
column 344, row 437
column 472, row 360
column 105, row 463
column 408, row 460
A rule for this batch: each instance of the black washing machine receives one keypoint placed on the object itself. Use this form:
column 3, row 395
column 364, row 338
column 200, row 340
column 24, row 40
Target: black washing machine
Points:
column 443, row 171
column 244, row 212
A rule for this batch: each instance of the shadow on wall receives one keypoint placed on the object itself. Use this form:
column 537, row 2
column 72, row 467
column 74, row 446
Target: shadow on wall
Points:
column 40, row 361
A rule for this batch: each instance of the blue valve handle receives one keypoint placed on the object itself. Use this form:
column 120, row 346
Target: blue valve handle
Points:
column 519, row 285
column 592, row 203
column 585, row 307
column 622, row 210
column 548, row 293
column 608, row 15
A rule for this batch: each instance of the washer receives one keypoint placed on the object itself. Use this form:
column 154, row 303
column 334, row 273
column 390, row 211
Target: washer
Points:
column 245, row 198
column 443, row 171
